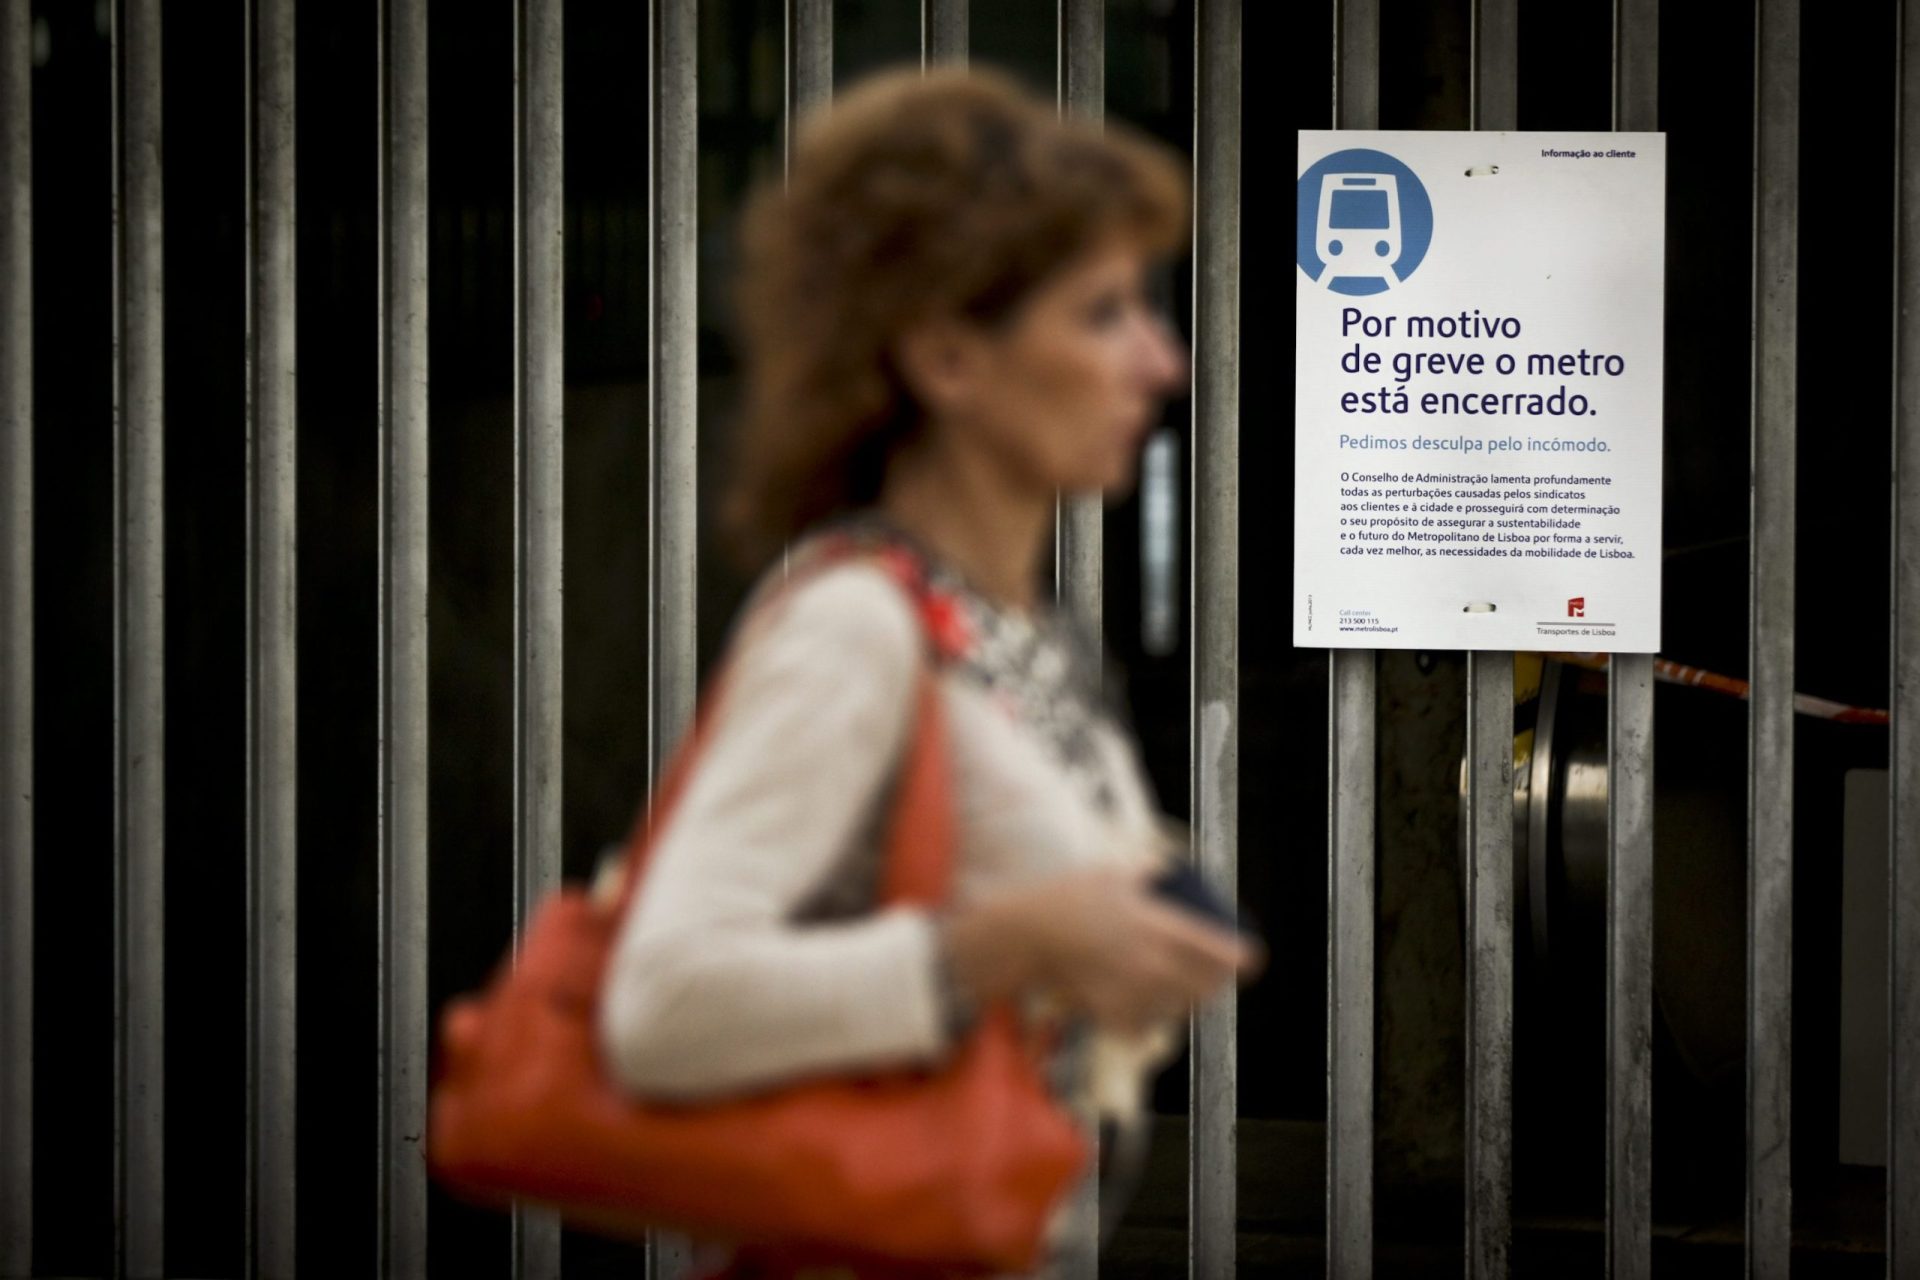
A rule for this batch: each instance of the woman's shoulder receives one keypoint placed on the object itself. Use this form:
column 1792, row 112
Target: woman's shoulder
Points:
column 862, row 579
column 845, row 613
column 858, row 600
column 819, row 668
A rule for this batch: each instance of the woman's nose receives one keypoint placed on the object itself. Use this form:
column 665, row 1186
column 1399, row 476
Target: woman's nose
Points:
column 1166, row 359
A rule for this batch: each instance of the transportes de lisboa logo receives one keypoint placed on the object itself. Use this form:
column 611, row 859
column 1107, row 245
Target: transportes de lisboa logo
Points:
column 1364, row 222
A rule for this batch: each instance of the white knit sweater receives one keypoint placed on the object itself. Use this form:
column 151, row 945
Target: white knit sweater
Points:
column 752, row 957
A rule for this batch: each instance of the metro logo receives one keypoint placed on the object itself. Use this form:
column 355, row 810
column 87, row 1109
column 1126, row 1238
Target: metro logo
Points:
column 1577, row 607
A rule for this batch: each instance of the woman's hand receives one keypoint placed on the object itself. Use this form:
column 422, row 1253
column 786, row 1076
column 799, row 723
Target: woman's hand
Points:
column 1100, row 940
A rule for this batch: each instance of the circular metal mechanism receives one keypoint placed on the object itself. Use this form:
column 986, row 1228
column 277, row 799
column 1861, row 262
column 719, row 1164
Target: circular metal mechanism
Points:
column 1560, row 865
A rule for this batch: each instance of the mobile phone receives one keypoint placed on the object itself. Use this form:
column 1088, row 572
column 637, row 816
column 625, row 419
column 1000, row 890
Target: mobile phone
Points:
column 1186, row 887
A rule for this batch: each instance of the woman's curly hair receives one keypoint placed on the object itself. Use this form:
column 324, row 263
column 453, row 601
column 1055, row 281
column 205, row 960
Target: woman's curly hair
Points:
column 950, row 193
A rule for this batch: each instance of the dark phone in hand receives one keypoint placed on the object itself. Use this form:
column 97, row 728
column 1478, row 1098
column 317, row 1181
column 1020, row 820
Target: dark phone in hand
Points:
column 1183, row 885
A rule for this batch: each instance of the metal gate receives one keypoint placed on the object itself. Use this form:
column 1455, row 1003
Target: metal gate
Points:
column 139, row 710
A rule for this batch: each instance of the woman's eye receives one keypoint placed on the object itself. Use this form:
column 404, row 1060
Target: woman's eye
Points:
column 1106, row 311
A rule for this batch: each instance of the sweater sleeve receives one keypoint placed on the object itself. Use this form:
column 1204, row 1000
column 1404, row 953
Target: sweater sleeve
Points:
column 713, row 987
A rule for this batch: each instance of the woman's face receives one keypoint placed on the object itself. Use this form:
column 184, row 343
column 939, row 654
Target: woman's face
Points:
column 1062, row 393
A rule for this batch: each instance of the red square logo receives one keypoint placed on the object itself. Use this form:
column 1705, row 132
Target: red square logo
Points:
column 1577, row 607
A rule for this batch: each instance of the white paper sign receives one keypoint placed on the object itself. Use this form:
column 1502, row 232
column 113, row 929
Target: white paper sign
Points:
column 1477, row 390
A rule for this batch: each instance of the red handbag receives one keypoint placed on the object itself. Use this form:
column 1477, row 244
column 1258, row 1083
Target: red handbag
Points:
column 956, row 1168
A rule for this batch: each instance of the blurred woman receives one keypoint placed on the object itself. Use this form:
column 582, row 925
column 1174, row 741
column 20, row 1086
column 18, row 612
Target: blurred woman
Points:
column 946, row 328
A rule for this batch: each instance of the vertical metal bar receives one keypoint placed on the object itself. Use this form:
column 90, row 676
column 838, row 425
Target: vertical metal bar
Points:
column 402, row 1183
column 673, row 376
column 1160, row 543
column 139, row 646
column 1082, row 58
column 808, row 64
column 1352, row 698
column 673, row 394
column 1630, row 966
column 1636, row 65
column 1636, row 101
column 1903, row 870
column 1081, row 88
column 1351, row 869
column 1356, row 64
column 1489, row 1108
column 1215, row 745
column 1495, row 98
column 538, row 385
column 16, row 639
column 272, row 611
column 809, row 60
column 1771, row 642
column 943, row 32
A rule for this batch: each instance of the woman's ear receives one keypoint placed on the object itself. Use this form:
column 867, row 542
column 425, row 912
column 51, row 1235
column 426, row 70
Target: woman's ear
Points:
column 939, row 361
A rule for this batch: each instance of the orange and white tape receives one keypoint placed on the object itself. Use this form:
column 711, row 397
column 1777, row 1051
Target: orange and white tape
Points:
column 1671, row 672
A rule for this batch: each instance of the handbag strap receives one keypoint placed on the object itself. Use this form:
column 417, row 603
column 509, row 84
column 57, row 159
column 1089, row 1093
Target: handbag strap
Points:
column 918, row 853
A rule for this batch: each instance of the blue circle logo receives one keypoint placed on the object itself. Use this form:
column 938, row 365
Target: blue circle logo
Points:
column 1364, row 222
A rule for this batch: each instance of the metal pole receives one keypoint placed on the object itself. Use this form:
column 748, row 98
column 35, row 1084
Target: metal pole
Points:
column 943, row 32
column 1489, row 1108
column 272, row 612
column 1215, row 729
column 1351, row 873
column 1081, row 51
column 139, row 647
column 1356, row 64
column 1081, row 88
column 16, row 639
column 402, row 1184
column 538, row 388
column 674, row 405
column 1495, row 101
column 1636, row 65
column 809, row 60
column 1636, row 102
column 1351, row 869
column 1903, row 871
column 1771, row 643
column 673, row 374
column 1630, row 966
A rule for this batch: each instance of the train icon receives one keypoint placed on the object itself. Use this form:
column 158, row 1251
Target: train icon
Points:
column 1358, row 229
column 1363, row 222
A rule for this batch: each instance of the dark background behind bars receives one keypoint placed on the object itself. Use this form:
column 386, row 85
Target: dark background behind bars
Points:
column 1706, row 108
